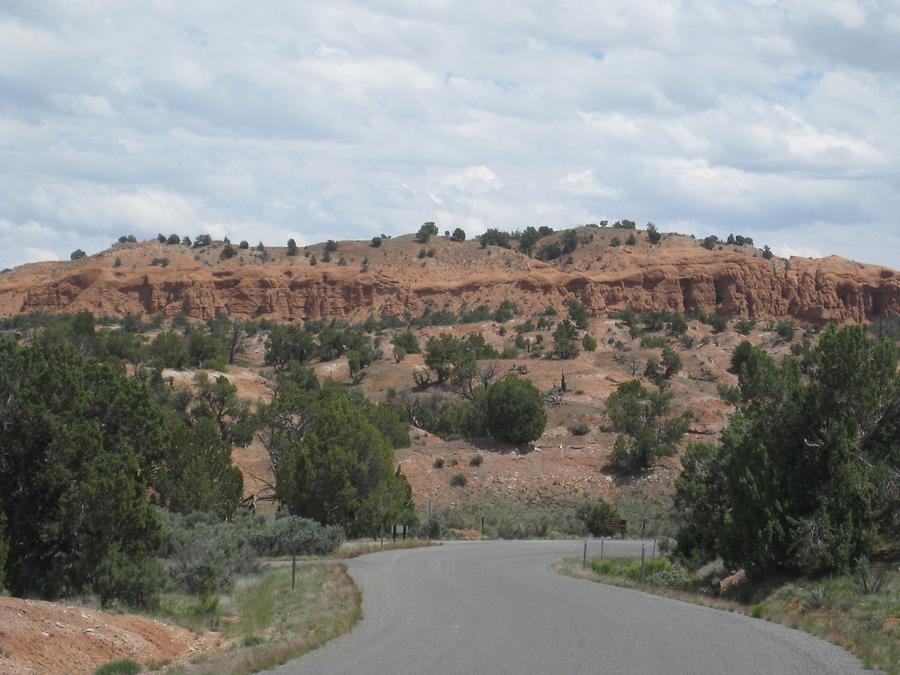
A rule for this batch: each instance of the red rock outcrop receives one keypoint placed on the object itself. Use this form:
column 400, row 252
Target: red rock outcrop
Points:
column 392, row 280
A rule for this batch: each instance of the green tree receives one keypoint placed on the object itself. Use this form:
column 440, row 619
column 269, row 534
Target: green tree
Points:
column 407, row 340
column 443, row 354
column 528, row 240
column 653, row 235
column 198, row 474
column 589, row 343
column 426, row 232
column 340, row 471
column 569, row 241
column 677, row 324
column 4, row 545
column 578, row 313
column 458, row 235
column 77, row 254
column 646, row 428
column 739, row 355
column 565, row 340
column 206, row 350
column 596, row 516
column 807, row 461
column 515, row 410
column 700, row 497
column 288, row 343
column 494, row 237
column 671, row 362
column 173, row 240
column 376, row 242
column 80, row 446
column 291, row 247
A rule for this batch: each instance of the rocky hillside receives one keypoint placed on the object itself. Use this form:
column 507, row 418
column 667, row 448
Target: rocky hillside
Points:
column 403, row 276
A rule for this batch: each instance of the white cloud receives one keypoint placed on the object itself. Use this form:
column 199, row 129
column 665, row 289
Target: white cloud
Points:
column 348, row 119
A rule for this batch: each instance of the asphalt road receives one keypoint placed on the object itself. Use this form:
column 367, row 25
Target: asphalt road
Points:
column 495, row 607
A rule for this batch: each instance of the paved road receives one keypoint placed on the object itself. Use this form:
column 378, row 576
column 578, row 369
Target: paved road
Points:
column 494, row 607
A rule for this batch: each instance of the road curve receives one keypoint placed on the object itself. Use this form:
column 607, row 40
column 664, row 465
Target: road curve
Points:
column 495, row 607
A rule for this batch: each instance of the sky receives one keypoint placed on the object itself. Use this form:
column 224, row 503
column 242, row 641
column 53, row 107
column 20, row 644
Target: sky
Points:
column 262, row 121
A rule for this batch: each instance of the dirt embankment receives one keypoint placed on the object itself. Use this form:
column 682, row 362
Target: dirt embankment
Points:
column 47, row 638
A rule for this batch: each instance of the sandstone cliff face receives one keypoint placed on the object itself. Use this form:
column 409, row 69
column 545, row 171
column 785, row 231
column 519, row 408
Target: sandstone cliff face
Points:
column 679, row 276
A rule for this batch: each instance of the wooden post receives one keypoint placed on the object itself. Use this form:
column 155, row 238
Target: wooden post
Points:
column 653, row 555
column 294, row 570
column 584, row 556
column 601, row 548
column 642, row 562
column 482, row 527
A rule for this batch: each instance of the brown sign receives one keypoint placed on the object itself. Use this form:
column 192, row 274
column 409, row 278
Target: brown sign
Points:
column 617, row 524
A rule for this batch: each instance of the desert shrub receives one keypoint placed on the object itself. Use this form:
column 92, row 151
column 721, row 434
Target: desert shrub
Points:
column 458, row 235
column 596, row 516
column 287, row 535
column 505, row 311
column 744, row 326
column 458, row 480
column 120, row 667
column 631, row 241
column 438, row 463
column 476, row 460
column 653, row 235
column 717, row 321
column 615, row 241
column 205, row 554
column 579, row 429
column 653, row 341
column 786, row 330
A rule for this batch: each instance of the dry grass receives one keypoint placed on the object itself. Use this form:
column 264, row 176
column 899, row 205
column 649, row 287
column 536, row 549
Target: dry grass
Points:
column 834, row 608
column 360, row 548
column 268, row 624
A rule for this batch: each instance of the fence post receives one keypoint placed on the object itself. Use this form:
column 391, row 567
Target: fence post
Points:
column 642, row 561
column 482, row 527
column 653, row 555
column 584, row 556
column 294, row 570
column 601, row 548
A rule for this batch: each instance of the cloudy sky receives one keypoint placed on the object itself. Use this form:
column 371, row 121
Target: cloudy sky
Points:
column 341, row 119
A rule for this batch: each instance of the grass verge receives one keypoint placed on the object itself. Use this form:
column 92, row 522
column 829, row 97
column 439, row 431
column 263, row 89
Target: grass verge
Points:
column 838, row 609
column 264, row 623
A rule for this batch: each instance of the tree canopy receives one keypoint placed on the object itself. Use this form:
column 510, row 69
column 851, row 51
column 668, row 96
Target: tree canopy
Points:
column 806, row 476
